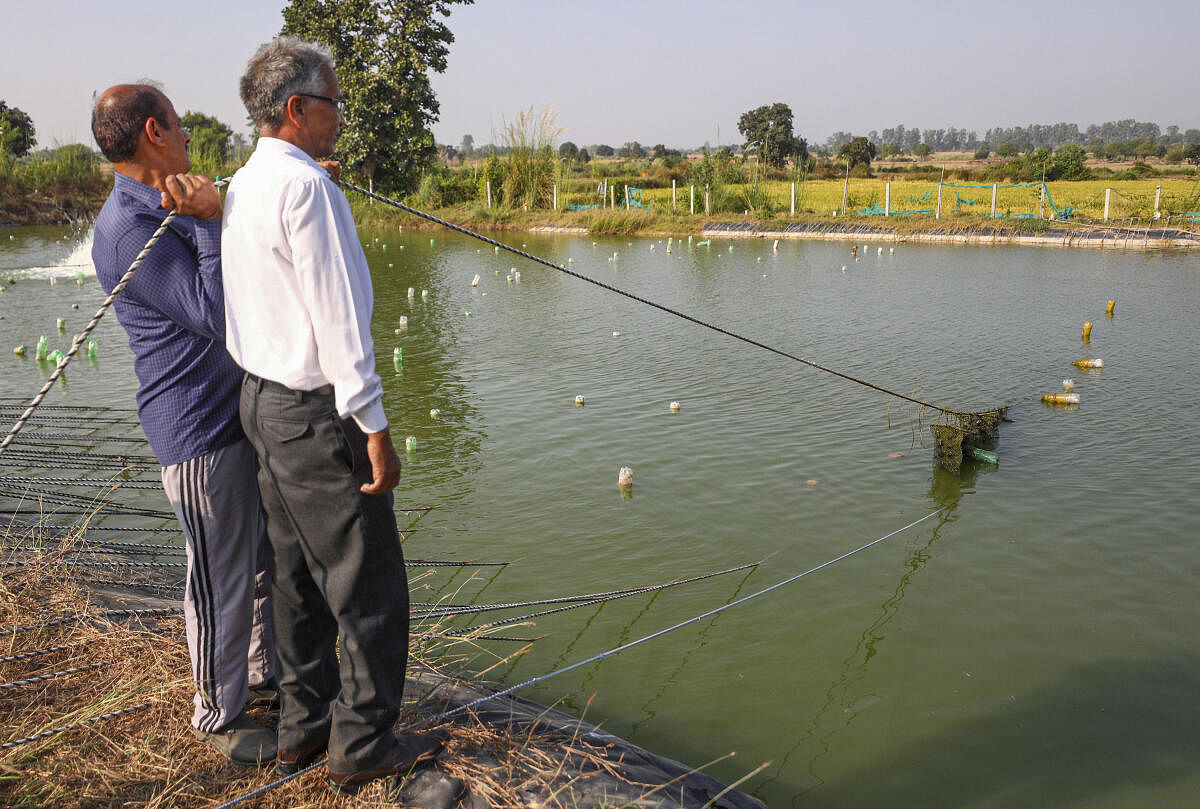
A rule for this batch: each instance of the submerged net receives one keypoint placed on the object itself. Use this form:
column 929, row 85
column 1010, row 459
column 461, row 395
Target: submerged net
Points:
column 964, row 430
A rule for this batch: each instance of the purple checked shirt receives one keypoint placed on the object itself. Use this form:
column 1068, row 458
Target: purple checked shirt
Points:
column 173, row 310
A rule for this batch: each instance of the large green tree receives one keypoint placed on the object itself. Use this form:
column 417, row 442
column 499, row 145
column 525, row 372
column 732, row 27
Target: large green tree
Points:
column 858, row 151
column 210, row 137
column 768, row 131
column 17, row 135
column 384, row 51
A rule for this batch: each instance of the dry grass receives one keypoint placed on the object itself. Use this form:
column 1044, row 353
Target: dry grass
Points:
column 149, row 758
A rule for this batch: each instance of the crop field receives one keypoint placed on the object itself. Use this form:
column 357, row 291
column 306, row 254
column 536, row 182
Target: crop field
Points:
column 1130, row 198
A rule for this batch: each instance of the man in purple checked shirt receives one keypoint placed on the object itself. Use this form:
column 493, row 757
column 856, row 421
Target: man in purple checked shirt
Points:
column 173, row 310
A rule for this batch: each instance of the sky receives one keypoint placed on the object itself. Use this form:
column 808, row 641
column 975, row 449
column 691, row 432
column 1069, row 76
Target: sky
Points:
column 658, row 71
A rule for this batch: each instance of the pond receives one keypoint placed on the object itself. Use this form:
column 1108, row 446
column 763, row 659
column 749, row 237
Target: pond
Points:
column 1032, row 644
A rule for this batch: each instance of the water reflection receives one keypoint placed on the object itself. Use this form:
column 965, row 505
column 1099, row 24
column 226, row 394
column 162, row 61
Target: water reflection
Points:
column 842, row 704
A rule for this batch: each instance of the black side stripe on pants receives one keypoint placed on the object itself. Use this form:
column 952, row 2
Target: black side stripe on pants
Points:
column 192, row 479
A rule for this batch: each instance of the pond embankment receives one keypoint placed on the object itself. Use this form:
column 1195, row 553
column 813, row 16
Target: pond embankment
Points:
column 503, row 750
column 1061, row 235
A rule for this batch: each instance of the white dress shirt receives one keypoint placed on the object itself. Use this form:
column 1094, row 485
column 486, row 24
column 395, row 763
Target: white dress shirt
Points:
column 298, row 295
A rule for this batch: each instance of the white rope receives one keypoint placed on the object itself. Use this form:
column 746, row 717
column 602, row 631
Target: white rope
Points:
column 83, row 336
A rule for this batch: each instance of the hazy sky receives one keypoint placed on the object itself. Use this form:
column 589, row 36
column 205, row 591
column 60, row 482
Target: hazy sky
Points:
column 671, row 72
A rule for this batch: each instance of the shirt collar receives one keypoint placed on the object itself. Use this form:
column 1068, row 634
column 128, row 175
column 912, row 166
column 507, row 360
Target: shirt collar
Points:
column 283, row 147
column 146, row 195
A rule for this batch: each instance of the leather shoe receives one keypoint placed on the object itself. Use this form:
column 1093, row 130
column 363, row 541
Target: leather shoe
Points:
column 288, row 762
column 408, row 753
column 243, row 741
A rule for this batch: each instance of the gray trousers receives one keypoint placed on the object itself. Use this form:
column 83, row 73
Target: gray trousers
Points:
column 339, row 576
column 225, row 603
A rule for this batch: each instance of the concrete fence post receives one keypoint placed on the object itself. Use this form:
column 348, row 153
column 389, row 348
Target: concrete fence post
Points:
column 1107, row 202
column 887, row 199
column 995, row 188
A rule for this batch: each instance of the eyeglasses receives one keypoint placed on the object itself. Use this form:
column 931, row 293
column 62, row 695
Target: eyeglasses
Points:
column 340, row 103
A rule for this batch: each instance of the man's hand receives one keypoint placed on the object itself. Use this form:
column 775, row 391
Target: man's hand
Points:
column 193, row 194
column 385, row 463
column 333, row 167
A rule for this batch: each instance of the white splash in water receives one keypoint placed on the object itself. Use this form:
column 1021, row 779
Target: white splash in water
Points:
column 79, row 260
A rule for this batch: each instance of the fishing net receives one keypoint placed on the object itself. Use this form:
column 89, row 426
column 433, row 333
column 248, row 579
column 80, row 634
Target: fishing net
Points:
column 961, row 431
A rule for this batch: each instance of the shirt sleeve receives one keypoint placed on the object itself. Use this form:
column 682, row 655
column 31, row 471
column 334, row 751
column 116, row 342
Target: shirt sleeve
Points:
column 182, row 283
column 335, row 284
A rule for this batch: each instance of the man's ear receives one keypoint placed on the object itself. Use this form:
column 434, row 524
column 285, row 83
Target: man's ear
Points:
column 153, row 132
column 295, row 110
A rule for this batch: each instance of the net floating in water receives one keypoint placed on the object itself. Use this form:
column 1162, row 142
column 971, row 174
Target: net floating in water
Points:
column 965, row 431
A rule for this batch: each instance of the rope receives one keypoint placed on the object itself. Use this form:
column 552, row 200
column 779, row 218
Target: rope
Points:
column 658, row 306
column 89, row 563
column 90, row 482
column 87, row 331
column 41, row 678
column 429, row 563
column 594, row 658
column 38, row 652
column 466, row 609
column 48, row 733
column 79, row 616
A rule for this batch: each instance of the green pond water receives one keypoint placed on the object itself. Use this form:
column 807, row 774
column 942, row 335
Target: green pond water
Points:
column 1033, row 645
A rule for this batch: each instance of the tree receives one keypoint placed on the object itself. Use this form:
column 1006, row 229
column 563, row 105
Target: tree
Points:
column 858, row 151
column 467, row 147
column 768, row 130
column 604, row 150
column 584, row 157
column 1069, row 163
column 568, row 150
column 17, row 135
column 384, row 52
column 922, row 150
column 1006, row 149
column 983, row 151
column 632, row 149
column 210, row 137
column 1192, row 154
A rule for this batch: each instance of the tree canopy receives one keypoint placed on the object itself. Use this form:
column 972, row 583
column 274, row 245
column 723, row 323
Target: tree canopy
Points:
column 17, row 135
column 210, row 137
column 768, row 131
column 858, row 151
column 384, row 50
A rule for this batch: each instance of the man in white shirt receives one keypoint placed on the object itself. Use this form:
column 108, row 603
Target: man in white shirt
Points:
column 298, row 302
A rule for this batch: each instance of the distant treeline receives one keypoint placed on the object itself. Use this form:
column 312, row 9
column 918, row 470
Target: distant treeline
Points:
column 903, row 140
column 1115, row 139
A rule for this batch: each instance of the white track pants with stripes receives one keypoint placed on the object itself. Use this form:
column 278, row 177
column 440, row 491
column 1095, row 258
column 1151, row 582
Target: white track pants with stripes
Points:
column 225, row 605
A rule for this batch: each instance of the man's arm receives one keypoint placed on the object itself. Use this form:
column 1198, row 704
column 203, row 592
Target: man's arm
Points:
column 385, row 463
column 180, row 283
column 335, row 283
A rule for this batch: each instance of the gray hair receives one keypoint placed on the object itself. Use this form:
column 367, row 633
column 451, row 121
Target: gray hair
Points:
column 280, row 69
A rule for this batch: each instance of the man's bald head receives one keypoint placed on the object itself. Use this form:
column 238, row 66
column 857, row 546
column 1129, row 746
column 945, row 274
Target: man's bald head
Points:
column 120, row 115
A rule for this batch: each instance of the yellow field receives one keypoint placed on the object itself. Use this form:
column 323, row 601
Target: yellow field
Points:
column 1130, row 198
